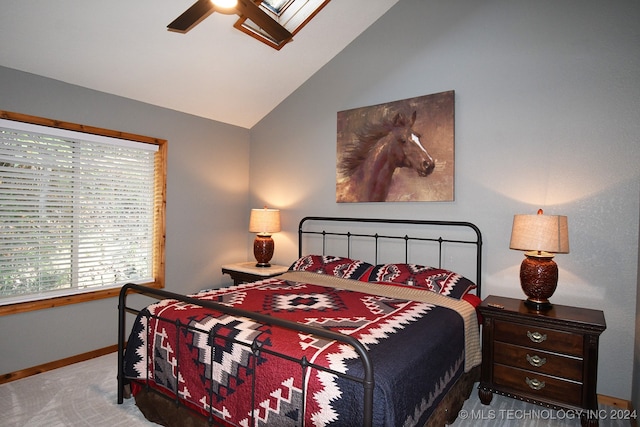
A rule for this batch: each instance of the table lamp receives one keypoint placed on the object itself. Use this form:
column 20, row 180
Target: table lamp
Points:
column 542, row 236
column 264, row 222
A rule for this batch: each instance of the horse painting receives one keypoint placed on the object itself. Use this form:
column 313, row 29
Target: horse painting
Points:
column 369, row 161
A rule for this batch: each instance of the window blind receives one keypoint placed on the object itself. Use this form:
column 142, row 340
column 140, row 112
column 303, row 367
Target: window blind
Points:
column 76, row 211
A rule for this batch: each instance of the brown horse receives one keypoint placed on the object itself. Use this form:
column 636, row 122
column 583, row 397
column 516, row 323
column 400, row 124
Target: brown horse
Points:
column 379, row 149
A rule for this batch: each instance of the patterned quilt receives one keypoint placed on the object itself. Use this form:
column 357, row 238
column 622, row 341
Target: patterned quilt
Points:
column 417, row 350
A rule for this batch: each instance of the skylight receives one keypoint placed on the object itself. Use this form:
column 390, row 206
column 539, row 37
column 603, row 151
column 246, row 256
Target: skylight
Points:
column 291, row 14
column 276, row 6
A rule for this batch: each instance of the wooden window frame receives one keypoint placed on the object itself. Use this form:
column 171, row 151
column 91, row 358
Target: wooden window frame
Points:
column 159, row 214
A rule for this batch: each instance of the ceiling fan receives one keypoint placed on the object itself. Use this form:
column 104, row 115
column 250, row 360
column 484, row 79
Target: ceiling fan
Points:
column 245, row 9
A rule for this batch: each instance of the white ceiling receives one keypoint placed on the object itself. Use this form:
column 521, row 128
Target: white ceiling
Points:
column 122, row 47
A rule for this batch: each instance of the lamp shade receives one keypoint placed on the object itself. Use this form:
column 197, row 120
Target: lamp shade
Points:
column 547, row 233
column 264, row 221
column 542, row 236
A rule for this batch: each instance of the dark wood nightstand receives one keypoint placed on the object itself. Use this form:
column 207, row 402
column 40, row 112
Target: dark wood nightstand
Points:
column 244, row 272
column 548, row 358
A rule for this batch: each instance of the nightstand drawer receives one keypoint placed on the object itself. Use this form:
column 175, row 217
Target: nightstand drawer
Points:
column 538, row 360
column 533, row 336
column 538, row 385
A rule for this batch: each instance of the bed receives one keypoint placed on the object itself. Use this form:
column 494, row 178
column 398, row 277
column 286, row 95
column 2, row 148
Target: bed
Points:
column 335, row 341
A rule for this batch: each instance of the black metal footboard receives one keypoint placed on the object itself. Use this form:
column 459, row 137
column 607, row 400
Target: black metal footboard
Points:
column 366, row 381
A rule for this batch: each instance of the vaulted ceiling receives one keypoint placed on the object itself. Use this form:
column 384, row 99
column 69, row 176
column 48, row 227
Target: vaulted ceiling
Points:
column 123, row 47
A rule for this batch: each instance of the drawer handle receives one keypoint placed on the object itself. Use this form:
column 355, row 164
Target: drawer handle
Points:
column 536, row 360
column 536, row 337
column 535, row 384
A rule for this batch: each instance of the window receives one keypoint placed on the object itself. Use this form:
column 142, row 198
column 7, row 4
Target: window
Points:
column 81, row 213
column 291, row 14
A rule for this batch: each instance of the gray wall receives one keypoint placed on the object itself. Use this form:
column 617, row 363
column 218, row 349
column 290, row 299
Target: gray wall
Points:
column 547, row 116
column 207, row 185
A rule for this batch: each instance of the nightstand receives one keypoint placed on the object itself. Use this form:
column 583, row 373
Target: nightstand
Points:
column 548, row 358
column 244, row 272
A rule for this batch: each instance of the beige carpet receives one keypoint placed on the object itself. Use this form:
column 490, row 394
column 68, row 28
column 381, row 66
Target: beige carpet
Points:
column 84, row 394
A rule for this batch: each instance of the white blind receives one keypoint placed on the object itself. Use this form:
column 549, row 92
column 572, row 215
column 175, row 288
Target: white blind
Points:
column 76, row 211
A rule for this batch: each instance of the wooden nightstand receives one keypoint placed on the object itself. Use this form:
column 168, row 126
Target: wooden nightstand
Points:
column 548, row 358
column 244, row 272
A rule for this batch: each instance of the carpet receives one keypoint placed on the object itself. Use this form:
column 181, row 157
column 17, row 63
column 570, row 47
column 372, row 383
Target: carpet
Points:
column 82, row 394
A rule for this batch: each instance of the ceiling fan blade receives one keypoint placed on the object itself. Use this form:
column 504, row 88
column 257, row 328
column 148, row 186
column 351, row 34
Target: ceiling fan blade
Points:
column 192, row 16
column 249, row 10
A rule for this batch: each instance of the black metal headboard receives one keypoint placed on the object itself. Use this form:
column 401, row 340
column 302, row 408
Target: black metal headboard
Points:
column 423, row 241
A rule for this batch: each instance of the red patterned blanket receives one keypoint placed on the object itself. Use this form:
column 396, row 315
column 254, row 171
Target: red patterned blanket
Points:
column 223, row 364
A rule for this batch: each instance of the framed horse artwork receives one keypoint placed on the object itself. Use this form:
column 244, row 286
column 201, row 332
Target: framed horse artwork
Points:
column 398, row 151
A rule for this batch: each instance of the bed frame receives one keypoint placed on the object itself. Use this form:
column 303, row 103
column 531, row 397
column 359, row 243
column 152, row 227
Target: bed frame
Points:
column 349, row 236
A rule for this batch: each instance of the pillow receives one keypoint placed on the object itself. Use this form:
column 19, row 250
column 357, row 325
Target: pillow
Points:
column 438, row 280
column 344, row 268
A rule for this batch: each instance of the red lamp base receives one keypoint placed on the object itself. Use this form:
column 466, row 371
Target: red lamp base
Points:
column 539, row 279
column 263, row 250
